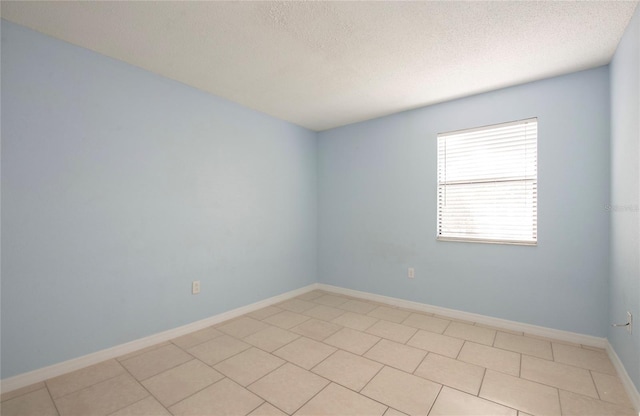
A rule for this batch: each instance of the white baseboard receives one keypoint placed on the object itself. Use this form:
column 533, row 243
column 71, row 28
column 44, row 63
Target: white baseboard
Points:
column 45, row 373
column 633, row 393
column 541, row 331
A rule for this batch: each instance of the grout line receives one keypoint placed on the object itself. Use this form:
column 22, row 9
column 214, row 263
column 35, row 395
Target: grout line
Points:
column 137, row 353
column 420, row 363
column 593, row 380
column 520, row 365
column 55, row 406
column 145, row 388
column 457, row 357
column 484, row 374
column 194, row 393
column 559, row 401
column 198, row 343
column 260, row 378
column 323, row 360
column 436, row 399
column 371, row 347
column 371, row 379
column 89, row 386
column 312, row 397
column 254, row 409
column 138, row 401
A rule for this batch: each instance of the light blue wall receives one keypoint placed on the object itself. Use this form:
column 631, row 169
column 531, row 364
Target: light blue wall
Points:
column 377, row 208
column 120, row 187
column 625, row 197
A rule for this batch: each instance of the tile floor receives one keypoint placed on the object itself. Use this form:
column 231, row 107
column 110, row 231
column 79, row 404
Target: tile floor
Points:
column 324, row 354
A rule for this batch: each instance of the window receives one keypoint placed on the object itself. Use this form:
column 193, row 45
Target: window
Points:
column 488, row 184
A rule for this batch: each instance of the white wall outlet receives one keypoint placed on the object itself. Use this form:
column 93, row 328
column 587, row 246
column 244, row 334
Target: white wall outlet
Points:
column 195, row 287
column 630, row 321
column 411, row 273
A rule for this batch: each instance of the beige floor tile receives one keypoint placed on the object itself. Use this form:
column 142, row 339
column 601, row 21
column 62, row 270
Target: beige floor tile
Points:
column 326, row 313
column 248, row 366
column 353, row 341
column 408, row 393
column 347, row 369
column 286, row 319
column 21, row 391
column 145, row 407
column 394, row 412
column 355, row 321
column 35, row 403
column 489, row 357
column 218, row 349
column 336, row 400
column 396, row 355
column 102, row 398
column 271, row 338
column 312, row 295
column 222, row 398
column 142, row 351
column 413, row 310
column 453, row 373
column 473, row 333
column 574, row 404
column 525, row 345
column 155, row 361
column 389, row 314
column 316, row 329
column 454, row 319
column 358, row 306
column 580, row 357
column 508, row 331
column 296, row 305
column 197, row 337
column 520, row 394
column 305, row 352
column 263, row 313
column 588, row 347
column 563, row 376
column 266, row 409
column 390, row 330
column 552, row 340
column 452, row 402
column 331, row 300
column 427, row 323
column 85, row 377
column 440, row 344
column 173, row 385
column 288, row 387
column 242, row 327
column 610, row 389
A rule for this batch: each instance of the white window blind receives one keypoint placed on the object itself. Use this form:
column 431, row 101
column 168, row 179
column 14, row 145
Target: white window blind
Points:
column 488, row 184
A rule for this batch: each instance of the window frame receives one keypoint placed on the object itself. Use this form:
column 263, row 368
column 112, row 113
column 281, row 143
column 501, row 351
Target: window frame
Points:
column 487, row 240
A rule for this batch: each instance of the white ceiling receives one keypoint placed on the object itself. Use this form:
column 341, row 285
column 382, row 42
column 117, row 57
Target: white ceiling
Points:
column 326, row 64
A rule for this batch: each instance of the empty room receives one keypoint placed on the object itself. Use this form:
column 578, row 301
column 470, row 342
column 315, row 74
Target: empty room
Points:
column 320, row 208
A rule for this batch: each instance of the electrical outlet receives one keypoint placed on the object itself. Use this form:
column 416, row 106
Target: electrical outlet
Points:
column 411, row 273
column 630, row 321
column 195, row 287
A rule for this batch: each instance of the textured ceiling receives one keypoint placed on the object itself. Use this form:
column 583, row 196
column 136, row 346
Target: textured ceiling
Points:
column 326, row 64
